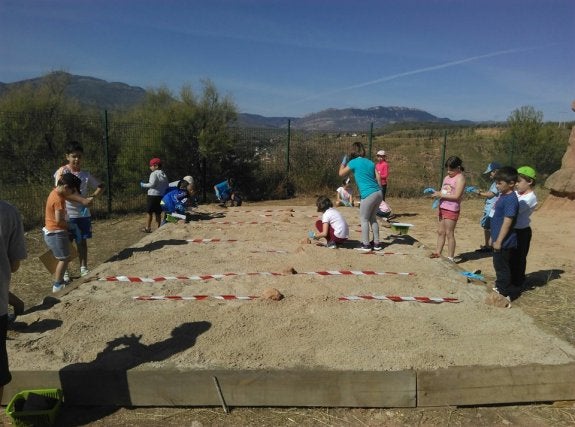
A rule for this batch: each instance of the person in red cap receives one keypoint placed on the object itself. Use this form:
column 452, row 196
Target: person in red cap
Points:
column 157, row 185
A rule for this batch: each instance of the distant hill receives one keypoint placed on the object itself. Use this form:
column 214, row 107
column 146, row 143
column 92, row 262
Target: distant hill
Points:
column 101, row 94
column 93, row 92
column 246, row 120
column 355, row 119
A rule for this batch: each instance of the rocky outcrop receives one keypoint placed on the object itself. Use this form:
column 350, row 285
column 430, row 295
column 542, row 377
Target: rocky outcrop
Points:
column 562, row 182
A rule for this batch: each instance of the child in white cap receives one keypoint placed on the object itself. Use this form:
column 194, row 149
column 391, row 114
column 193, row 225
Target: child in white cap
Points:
column 382, row 169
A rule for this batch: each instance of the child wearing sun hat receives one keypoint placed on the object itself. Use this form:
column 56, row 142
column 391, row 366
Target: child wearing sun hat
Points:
column 490, row 196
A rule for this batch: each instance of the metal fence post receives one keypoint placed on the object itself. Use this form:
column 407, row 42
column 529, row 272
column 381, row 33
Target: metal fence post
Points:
column 370, row 139
column 107, row 155
column 441, row 166
column 288, row 148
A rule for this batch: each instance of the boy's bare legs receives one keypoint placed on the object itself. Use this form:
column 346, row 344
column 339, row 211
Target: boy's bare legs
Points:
column 82, row 246
column 149, row 221
column 158, row 219
column 487, row 237
column 60, row 269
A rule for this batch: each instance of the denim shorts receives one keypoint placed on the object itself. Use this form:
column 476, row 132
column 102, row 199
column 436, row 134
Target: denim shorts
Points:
column 59, row 244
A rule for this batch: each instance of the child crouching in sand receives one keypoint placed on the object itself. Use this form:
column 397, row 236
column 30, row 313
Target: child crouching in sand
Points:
column 332, row 226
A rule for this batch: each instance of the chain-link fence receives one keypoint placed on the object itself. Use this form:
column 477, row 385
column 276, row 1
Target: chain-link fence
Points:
column 265, row 163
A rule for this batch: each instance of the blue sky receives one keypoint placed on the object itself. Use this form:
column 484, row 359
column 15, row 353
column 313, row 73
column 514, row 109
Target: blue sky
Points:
column 461, row 59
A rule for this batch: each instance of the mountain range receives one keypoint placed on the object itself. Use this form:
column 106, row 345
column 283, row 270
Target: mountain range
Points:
column 112, row 96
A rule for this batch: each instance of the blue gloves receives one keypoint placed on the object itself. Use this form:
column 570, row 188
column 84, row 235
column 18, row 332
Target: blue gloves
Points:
column 471, row 189
column 473, row 275
column 311, row 234
column 142, row 184
column 344, row 160
column 431, row 190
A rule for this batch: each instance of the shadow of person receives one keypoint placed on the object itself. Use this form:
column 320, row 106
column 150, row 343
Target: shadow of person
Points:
column 541, row 278
column 152, row 246
column 204, row 216
column 36, row 327
column 474, row 255
column 104, row 381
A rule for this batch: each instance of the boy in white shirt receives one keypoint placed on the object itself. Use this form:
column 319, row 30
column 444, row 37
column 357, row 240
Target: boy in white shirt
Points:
column 527, row 202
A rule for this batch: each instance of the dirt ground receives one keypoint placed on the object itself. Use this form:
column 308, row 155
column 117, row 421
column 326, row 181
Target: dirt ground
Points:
column 547, row 301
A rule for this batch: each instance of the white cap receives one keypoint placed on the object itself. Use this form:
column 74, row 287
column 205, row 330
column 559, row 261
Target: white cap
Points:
column 189, row 179
column 381, row 153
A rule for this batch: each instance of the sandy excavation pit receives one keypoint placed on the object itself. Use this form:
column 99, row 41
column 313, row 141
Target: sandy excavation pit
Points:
column 100, row 324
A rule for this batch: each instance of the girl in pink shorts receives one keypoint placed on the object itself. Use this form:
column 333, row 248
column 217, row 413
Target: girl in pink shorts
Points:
column 449, row 206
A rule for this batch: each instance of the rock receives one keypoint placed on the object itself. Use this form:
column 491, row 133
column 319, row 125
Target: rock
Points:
column 272, row 294
column 562, row 182
column 497, row 300
column 289, row 270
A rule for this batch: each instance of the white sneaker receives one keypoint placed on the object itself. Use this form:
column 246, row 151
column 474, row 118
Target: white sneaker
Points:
column 57, row 287
column 84, row 271
column 66, row 277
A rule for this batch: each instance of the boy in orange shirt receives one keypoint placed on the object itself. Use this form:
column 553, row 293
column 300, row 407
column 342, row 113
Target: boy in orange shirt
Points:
column 56, row 226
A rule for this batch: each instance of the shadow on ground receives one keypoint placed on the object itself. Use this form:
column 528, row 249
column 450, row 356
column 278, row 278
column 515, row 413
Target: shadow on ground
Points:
column 104, row 381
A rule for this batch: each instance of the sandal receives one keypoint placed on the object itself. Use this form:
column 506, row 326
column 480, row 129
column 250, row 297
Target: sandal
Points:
column 434, row 255
column 146, row 230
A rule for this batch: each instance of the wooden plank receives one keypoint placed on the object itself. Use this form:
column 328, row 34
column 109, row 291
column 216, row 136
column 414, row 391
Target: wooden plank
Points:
column 171, row 387
column 276, row 388
column 482, row 385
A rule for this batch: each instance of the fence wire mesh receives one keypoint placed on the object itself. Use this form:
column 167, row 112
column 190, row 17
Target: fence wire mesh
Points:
column 265, row 163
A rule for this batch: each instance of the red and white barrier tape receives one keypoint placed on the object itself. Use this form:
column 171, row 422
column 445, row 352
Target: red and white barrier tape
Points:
column 241, row 222
column 210, row 240
column 382, row 253
column 259, row 273
column 356, row 273
column 274, row 251
column 192, row 297
column 396, row 298
column 267, row 210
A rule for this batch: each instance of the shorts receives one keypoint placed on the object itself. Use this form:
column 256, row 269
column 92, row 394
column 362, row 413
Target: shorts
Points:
column 84, row 225
column 447, row 214
column 486, row 222
column 5, row 376
column 154, row 204
column 59, row 244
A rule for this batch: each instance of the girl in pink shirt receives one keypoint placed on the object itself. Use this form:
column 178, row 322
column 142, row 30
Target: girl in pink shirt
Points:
column 449, row 206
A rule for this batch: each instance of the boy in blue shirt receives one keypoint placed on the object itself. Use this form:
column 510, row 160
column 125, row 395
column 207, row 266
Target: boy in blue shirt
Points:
column 178, row 199
column 225, row 192
column 503, row 233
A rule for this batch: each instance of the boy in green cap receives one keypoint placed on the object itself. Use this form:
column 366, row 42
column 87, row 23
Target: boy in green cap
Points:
column 527, row 201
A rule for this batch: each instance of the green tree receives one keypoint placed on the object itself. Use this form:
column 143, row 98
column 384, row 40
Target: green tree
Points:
column 37, row 119
column 520, row 139
column 530, row 141
column 187, row 131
